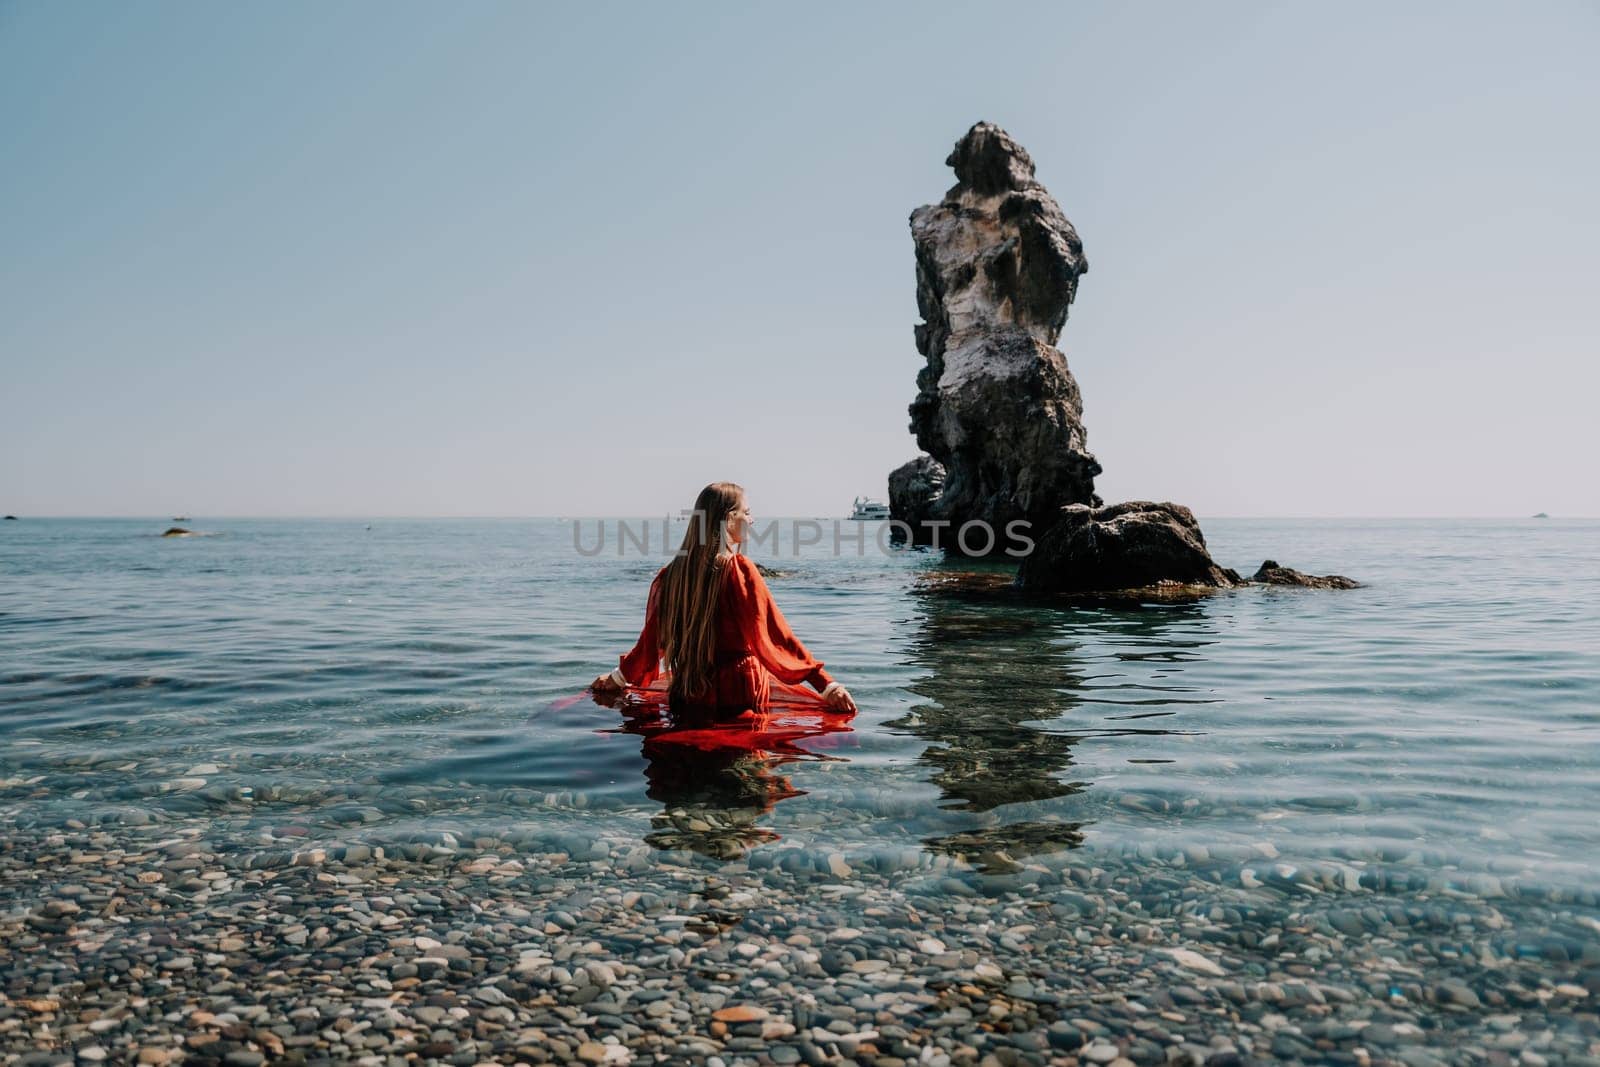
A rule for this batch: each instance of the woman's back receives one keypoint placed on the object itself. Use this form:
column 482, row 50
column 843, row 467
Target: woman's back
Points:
column 753, row 643
column 711, row 610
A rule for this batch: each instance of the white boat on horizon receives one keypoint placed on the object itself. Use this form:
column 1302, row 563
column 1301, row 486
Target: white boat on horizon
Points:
column 869, row 510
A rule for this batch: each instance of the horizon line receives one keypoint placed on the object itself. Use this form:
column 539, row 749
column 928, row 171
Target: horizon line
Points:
column 653, row 517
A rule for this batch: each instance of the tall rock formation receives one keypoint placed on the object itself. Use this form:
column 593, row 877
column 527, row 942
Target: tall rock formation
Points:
column 999, row 414
column 997, row 410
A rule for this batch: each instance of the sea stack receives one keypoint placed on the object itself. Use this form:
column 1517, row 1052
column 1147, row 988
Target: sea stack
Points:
column 997, row 411
column 999, row 414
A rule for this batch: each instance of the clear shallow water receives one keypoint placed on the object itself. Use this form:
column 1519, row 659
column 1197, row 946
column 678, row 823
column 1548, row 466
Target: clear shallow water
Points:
column 295, row 682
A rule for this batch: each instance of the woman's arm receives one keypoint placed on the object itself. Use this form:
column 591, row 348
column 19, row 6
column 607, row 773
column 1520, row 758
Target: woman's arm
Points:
column 772, row 640
column 641, row 664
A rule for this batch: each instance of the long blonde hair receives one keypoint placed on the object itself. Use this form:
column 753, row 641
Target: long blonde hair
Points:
column 687, row 613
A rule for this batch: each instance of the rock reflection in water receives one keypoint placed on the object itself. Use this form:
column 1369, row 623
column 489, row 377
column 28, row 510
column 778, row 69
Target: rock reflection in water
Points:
column 997, row 848
column 1005, row 671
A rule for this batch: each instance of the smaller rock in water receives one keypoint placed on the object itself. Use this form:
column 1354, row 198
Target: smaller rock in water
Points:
column 1456, row 992
column 1138, row 544
column 1272, row 573
column 740, row 1013
column 1194, row 961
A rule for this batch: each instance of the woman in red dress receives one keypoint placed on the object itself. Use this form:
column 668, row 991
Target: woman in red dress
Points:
column 711, row 619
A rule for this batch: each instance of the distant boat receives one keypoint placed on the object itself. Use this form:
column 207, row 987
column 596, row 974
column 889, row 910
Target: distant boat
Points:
column 868, row 510
column 9, row 518
column 180, row 518
column 1541, row 515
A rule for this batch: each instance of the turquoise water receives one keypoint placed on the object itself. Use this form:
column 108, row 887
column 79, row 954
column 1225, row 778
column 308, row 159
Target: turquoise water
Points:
column 319, row 681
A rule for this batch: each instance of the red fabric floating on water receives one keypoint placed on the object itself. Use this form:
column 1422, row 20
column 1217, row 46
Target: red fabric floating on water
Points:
column 791, row 714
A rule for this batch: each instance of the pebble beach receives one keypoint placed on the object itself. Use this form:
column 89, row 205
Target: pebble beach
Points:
column 155, row 945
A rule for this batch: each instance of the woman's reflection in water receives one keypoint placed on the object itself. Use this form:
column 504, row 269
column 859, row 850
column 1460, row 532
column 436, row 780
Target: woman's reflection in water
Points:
column 716, row 781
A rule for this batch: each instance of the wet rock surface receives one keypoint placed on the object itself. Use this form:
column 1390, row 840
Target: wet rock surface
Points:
column 996, row 407
column 914, row 490
column 1132, row 545
column 1271, row 573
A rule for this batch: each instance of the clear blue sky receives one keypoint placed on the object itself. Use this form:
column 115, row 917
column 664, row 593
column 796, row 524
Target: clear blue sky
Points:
column 540, row 259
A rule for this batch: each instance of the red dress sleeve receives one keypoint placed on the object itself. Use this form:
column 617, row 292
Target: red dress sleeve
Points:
column 767, row 631
column 641, row 664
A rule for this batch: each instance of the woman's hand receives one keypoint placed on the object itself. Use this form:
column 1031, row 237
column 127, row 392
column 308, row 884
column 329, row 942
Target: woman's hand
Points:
column 839, row 699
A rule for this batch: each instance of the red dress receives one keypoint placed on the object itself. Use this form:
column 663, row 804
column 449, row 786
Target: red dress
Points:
column 754, row 643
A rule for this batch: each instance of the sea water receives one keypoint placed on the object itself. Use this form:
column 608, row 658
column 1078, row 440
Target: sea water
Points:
column 338, row 681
